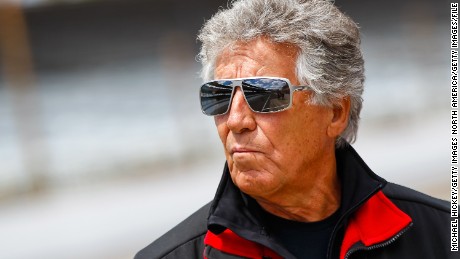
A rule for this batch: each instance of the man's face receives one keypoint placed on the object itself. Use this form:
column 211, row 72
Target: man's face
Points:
column 275, row 154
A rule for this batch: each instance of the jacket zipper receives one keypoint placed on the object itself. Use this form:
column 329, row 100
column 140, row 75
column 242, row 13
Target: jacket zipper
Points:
column 379, row 245
column 345, row 215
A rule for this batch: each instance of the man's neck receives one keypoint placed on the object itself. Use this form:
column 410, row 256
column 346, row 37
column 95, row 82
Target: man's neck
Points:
column 317, row 199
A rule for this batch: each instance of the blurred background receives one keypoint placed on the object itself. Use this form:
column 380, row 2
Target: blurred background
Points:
column 103, row 146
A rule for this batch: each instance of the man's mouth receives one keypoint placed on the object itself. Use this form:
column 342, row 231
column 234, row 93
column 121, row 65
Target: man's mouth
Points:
column 241, row 150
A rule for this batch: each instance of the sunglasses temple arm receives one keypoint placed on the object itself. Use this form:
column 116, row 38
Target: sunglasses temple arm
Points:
column 299, row 88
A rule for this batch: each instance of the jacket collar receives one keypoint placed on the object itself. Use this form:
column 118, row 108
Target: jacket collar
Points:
column 234, row 210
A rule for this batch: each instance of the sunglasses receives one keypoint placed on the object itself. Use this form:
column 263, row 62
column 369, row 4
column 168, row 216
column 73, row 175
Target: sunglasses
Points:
column 262, row 94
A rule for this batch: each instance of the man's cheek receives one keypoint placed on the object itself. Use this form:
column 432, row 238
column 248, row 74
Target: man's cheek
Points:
column 223, row 133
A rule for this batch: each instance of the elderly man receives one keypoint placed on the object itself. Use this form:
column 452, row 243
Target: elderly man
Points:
column 284, row 80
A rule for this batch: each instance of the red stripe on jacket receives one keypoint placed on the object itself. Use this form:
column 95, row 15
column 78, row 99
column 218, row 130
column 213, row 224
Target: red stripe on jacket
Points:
column 376, row 221
column 231, row 243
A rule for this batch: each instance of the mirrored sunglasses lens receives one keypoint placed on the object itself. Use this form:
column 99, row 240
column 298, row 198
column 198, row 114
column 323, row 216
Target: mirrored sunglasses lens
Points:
column 267, row 94
column 215, row 97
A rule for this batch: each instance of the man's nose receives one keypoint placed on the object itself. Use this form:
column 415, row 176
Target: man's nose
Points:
column 240, row 116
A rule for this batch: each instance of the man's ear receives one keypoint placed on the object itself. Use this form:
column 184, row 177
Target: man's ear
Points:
column 341, row 113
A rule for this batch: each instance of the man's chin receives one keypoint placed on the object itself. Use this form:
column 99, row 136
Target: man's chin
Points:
column 253, row 182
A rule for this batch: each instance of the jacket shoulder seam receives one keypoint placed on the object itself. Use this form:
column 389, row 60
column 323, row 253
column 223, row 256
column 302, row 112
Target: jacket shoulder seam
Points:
column 405, row 194
column 419, row 202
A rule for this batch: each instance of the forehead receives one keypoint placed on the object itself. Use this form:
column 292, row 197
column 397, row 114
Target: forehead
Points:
column 258, row 57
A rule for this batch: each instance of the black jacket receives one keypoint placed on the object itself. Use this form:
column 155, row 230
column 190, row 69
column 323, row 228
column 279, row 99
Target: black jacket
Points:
column 378, row 220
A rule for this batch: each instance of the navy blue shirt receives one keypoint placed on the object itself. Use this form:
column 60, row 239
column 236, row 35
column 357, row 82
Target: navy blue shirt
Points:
column 305, row 240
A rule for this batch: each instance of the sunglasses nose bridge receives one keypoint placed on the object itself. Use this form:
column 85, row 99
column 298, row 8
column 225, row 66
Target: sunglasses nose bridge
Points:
column 238, row 97
column 235, row 84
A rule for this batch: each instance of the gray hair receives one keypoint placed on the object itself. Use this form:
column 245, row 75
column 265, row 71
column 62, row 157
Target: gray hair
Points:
column 329, row 59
